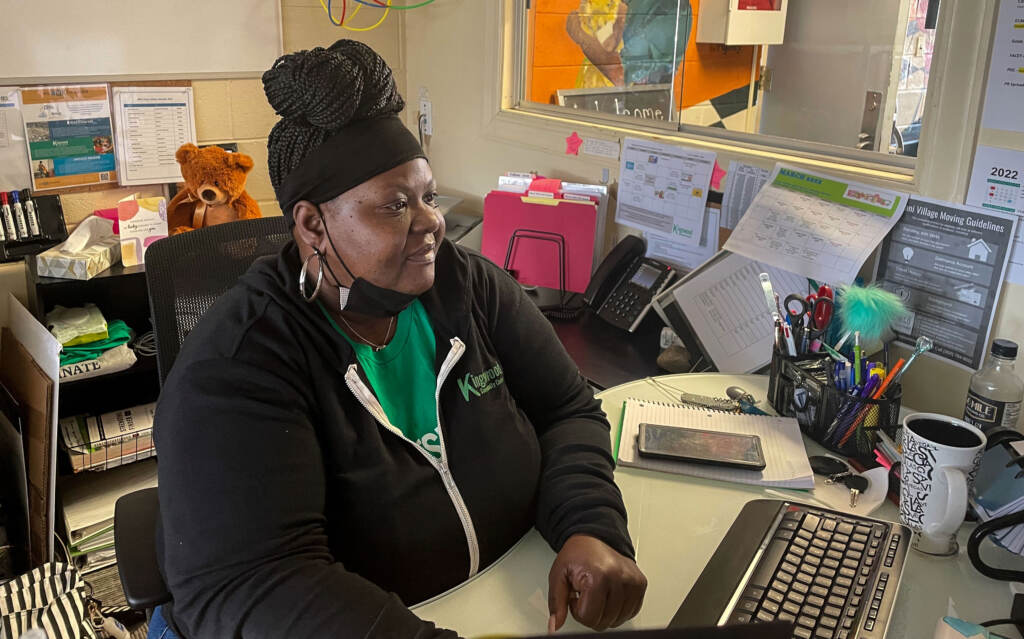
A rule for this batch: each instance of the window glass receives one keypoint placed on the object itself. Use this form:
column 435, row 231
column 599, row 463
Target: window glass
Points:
column 849, row 74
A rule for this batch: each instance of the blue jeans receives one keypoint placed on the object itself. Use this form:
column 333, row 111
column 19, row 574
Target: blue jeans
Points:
column 158, row 628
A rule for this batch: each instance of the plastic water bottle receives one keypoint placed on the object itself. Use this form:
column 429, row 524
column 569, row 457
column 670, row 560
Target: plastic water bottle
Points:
column 995, row 394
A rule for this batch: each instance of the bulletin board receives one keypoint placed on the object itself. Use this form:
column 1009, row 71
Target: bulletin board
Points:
column 128, row 39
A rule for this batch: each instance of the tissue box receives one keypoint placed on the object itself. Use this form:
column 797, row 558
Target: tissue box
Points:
column 90, row 249
column 141, row 222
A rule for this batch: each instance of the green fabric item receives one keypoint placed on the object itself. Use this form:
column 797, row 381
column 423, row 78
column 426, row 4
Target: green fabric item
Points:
column 402, row 375
column 117, row 333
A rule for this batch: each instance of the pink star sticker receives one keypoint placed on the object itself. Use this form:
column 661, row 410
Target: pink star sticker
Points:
column 573, row 143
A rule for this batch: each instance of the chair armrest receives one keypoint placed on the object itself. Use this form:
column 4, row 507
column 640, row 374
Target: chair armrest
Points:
column 135, row 522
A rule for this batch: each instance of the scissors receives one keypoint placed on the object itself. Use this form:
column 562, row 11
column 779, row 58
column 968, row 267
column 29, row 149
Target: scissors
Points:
column 817, row 310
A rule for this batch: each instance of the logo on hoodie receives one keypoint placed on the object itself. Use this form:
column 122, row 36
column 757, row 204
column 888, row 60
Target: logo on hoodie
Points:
column 477, row 384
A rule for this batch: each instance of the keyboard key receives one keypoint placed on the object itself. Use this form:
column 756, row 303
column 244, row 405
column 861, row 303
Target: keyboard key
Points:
column 845, row 582
column 843, row 539
column 822, row 581
column 837, row 601
column 846, row 572
column 791, row 607
column 850, row 563
column 770, row 606
column 840, row 591
column 821, row 543
column 854, row 602
column 828, row 524
column 775, row 596
column 833, row 612
column 859, row 590
column 780, row 585
column 785, row 616
column 862, row 581
column 811, row 560
column 804, row 578
column 823, row 534
column 795, row 597
column 800, row 542
column 834, row 554
column 828, row 562
column 827, row 573
column 754, row 592
column 791, row 558
column 819, row 591
column 856, row 545
column 738, row 618
column 869, row 625
column 844, row 528
column 817, row 552
column 765, row 616
column 784, row 577
column 872, row 552
column 865, row 571
column 884, row 577
column 854, row 555
column 811, row 611
column 873, row 613
column 799, row 587
column 796, row 551
column 747, row 605
column 811, row 522
column 836, row 546
column 791, row 568
column 842, row 634
column 823, row 633
column 784, row 535
column 848, row 622
column 829, row 622
column 815, row 601
column 807, row 622
column 860, row 538
column 802, row 633
column 788, row 524
column 863, row 530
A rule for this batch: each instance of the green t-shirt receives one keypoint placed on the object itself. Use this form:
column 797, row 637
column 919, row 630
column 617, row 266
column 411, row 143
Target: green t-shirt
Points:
column 402, row 376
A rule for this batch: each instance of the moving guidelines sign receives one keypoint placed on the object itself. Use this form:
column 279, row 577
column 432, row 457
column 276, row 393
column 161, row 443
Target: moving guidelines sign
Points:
column 947, row 262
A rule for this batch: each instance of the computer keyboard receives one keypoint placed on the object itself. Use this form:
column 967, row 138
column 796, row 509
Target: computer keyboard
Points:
column 831, row 574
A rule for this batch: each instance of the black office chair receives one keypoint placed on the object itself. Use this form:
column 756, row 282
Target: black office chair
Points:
column 185, row 274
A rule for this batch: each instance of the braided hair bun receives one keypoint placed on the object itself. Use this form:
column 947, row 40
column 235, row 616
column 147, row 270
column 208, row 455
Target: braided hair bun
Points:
column 319, row 91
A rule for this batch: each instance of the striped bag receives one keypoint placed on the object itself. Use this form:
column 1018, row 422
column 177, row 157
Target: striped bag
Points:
column 50, row 597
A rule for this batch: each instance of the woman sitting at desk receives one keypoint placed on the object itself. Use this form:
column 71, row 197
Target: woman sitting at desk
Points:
column 374, row 410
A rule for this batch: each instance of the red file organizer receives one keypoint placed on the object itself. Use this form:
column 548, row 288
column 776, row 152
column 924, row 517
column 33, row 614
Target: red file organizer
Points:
column 533, row 257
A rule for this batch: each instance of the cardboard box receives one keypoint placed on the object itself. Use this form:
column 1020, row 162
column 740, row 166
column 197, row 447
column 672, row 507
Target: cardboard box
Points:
column 141, row 221
column 90, row 249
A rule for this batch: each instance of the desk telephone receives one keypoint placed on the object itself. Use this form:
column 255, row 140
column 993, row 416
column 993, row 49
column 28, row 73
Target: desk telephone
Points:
column 624, row 284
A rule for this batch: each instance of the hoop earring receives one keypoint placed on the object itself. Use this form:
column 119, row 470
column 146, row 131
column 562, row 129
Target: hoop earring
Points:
column 319, row 277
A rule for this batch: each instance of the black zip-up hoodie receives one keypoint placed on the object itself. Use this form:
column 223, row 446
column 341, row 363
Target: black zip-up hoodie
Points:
column 289, row 510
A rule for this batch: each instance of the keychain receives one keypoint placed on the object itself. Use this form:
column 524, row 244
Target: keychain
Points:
column 838, row 472
column 109, row 626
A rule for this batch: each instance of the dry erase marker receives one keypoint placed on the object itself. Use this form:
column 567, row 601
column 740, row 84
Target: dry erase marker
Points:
column 19, row 216
column 31, row 216
column 5, row 209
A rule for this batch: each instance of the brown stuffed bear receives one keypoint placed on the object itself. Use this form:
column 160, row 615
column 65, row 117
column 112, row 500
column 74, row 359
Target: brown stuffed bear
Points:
column 214, row 190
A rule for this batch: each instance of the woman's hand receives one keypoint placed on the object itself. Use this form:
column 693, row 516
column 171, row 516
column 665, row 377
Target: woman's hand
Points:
column 601, row 587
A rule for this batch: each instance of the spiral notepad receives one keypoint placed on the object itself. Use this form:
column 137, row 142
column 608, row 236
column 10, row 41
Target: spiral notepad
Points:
column 786, row 464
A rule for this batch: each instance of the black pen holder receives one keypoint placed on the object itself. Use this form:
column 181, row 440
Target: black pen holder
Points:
column 803, row 387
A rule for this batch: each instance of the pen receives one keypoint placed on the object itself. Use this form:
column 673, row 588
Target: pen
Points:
column 857, row 357
column 30, row 213
column 790, row 345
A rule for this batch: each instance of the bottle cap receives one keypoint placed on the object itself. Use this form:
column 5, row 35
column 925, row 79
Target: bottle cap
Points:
column 14, row 197
column 3, row 197
column 25, row 195
column 1004, row 348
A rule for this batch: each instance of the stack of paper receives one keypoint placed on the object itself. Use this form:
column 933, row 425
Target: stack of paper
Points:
column 88, row 502
column 110, row 440
column 999, row 492
column 786, row 459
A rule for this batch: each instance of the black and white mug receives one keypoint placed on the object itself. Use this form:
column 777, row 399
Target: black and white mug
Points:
column 941, row 456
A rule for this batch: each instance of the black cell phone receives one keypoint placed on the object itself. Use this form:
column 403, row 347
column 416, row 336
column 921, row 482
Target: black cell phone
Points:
column 701, row 446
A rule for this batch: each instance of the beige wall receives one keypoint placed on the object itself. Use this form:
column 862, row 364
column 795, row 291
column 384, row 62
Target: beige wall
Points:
column 454, row 54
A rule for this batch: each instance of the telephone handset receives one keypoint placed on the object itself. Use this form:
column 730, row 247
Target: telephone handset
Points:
column 624, row 284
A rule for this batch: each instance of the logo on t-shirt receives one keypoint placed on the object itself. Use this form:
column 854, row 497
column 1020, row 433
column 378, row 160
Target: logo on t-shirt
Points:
column 477, row 384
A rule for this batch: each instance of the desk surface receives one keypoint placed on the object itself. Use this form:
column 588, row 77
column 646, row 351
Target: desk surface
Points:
column 676, row 523
column 607, row 356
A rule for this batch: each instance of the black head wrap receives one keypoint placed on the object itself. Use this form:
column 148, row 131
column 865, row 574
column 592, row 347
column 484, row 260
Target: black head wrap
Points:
column 339, row 123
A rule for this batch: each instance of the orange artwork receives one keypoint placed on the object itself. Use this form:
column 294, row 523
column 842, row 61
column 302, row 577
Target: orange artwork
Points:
column 577, row 44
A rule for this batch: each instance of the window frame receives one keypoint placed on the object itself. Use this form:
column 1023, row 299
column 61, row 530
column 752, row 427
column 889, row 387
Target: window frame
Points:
column 956, row 84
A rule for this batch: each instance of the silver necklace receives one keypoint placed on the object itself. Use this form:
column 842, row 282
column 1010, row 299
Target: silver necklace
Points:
column 376, row 347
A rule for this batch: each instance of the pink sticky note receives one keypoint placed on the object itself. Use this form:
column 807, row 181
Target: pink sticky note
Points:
column 573, row 143
column 717, row 174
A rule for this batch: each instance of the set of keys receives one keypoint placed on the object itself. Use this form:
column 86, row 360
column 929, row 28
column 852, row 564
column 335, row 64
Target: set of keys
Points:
column 838, row 472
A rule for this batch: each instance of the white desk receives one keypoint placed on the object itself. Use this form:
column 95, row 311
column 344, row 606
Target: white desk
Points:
column 676, row 523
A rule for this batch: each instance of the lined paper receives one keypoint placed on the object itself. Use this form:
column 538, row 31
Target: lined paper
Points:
column 786, row 464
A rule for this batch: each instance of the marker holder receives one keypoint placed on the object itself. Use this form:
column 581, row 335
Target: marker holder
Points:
column 803, row 387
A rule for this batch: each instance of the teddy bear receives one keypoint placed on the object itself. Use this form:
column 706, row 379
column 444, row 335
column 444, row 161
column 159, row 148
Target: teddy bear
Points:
column 214, row 190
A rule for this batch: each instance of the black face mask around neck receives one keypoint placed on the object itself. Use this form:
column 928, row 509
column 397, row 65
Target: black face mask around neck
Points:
column 365, row 297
